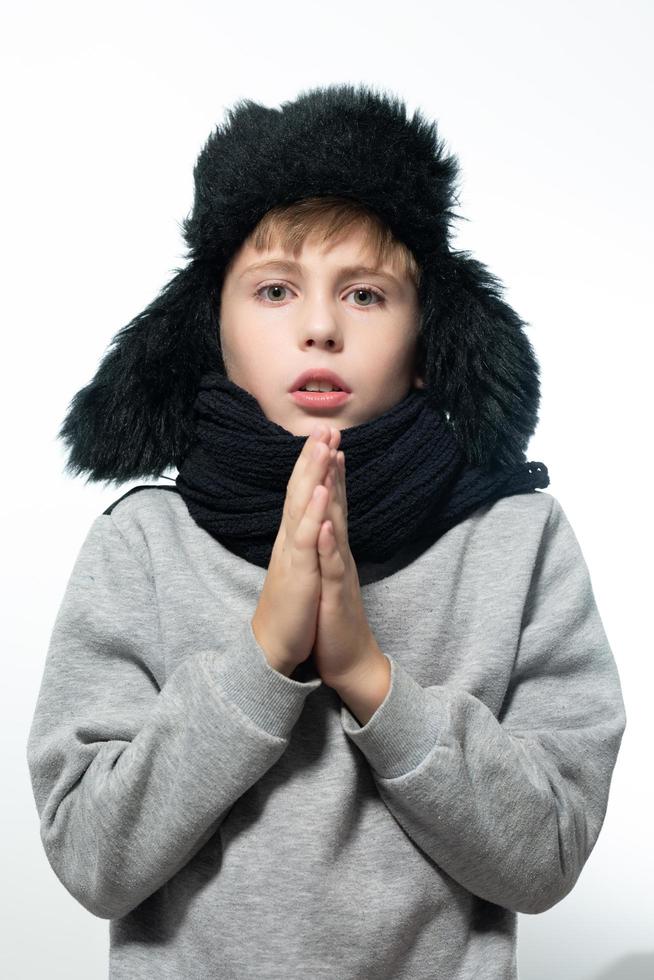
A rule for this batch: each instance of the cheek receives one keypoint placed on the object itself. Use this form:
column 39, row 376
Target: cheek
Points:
column 260, row 366
column 393, row 360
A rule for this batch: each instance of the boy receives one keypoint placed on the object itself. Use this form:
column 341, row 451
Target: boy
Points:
column 453, row 763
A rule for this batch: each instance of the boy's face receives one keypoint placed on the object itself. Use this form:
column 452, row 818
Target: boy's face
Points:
column 316, row 317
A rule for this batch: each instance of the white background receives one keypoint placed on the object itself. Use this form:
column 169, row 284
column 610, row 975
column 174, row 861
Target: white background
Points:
column 549, row 108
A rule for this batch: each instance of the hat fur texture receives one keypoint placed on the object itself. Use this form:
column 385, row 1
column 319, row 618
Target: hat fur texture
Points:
column 135, row 417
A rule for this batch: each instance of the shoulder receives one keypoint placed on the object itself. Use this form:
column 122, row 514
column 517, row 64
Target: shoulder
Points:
column 538, row 510
column 149, row 495
column 538, row 529
column 535, row 503
column 527, row 514
column 512, row 530
column 146, row 510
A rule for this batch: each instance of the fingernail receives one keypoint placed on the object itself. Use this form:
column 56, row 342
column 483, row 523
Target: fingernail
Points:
column 317, row 431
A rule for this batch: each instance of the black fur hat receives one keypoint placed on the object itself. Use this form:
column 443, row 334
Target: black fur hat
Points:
column 135, row 418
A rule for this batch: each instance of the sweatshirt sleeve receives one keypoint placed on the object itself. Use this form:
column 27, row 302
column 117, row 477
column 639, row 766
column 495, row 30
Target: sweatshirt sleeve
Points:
column 510, row 807
column 130, row 779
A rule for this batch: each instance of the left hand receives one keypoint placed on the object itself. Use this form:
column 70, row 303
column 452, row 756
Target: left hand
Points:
column 345, row 647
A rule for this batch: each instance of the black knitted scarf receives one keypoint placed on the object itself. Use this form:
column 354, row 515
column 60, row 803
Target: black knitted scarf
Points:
column 406, row 478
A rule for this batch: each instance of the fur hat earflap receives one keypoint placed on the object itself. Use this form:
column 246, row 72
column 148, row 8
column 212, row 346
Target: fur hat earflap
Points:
column 479, row 366
column 134, row 419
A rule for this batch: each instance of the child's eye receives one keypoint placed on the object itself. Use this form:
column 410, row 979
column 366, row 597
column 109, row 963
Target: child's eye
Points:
column 373, row 292
column 271, row 285
column 280, row 285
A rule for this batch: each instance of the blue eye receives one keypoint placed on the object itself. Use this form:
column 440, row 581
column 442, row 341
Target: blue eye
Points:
column 358, row 289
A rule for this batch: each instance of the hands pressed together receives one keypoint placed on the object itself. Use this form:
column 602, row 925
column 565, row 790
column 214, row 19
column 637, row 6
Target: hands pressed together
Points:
column 344, row 640
column 311, row 598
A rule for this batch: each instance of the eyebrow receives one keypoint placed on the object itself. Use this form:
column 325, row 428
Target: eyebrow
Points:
column 286, row 265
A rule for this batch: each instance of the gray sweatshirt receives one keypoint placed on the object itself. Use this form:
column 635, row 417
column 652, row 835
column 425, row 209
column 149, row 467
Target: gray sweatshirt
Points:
column 239, row 824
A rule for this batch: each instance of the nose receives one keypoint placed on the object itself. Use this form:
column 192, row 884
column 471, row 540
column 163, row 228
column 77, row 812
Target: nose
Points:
column 322, row 330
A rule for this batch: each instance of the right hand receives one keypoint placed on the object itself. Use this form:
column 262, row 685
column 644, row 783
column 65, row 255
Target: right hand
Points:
column 286, row 617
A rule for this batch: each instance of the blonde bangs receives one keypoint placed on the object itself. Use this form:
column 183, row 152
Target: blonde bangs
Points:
column 329, row 220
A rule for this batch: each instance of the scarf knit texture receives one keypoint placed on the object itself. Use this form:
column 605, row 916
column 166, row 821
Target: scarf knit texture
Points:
column 406, row 476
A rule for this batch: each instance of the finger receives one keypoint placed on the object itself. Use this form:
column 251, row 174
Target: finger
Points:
column 329, row 485
column 305, row 541
column 334, row 510
column 314, row 472
column 332, row 565
column 326, row 540
column 306, row 457
column 335, row 438
column 337, row 459
column 308, row 471
column 340, row 461
column 306, row 454
column 337, row 479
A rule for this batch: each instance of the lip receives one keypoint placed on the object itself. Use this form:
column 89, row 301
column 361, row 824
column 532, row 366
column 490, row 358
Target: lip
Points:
column 320, row 399
column 320, row 374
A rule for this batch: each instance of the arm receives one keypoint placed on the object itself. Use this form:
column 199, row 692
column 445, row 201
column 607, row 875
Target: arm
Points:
column 510, row 808
column 130, row 779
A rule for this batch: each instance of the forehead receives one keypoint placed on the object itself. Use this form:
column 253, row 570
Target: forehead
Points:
column 349, row 255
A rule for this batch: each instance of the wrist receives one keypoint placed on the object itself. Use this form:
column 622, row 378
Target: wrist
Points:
column 275, row 660
column 282, row 669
